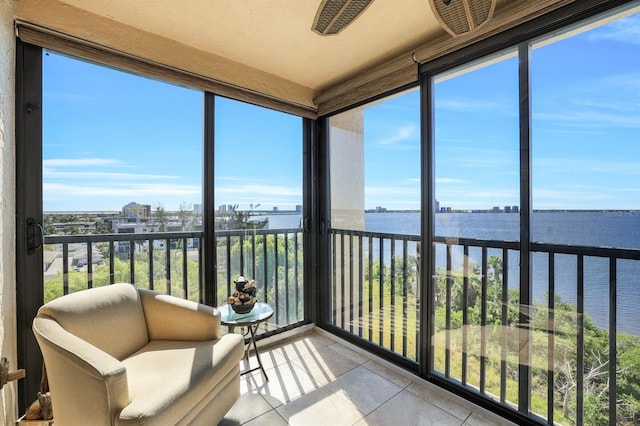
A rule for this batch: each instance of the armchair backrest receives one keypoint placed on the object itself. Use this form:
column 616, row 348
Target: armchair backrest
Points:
column 110, row 318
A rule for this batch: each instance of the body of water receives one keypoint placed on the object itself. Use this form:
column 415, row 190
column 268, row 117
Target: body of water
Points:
column 619, row 229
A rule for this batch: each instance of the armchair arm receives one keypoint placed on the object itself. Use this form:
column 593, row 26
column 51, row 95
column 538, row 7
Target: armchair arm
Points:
column 86, row 383
column 172, row 318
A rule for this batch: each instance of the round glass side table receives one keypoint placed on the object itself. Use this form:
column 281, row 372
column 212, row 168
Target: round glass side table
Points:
column 251, row 320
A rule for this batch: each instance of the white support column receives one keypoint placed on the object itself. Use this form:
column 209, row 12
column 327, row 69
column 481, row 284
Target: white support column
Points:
column 347, row 170
column 347, row 209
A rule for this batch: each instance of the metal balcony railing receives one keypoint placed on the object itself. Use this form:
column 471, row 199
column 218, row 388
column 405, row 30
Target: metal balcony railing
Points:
column 476, row 334
column 374, row 288
column 476, row 337
column 274, row 258
column 171, row 262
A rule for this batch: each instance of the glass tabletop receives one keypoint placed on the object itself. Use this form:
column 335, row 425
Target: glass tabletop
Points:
column 259, row 313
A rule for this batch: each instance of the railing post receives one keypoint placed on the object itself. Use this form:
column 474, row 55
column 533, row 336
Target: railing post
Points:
column 613, row 344
column 551, row 337
column 65, row 268
column 168, row 264
column 112, row 271
column 132, row 262
column 150, row 242
column 580, row 342
column 483, row 323
column 89, row 265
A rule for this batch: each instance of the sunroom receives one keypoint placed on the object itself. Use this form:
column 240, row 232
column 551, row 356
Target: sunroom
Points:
column 449, row 188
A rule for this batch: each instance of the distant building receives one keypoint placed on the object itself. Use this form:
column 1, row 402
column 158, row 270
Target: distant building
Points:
column 136, row 210
column 380, row 209
column 515, row 209
column 223, row 208
column 275, row 209
column 197, row 208
column 496, row 209
column 507, row 209
column 298, row 208
column 123, row 248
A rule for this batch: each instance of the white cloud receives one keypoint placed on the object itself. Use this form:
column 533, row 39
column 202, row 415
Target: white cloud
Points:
column 496, row 194
column 136, row 190
column 390, row 190
column 400, row 134
column 81, row 162
column 231, row 179
column 548, row 198
column 626, row 30
column 588, row 166
column 637, row 189
column 469, row 105
column 453, row 181
column 469, row 198
column 259, row 190
column 626, row 82
column 590, row 118
column 554, row 194
column 88, row 184
column 53, row 174
column 594, row 104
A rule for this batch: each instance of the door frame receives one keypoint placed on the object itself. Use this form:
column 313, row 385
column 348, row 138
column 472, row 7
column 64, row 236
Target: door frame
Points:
column 29, row 258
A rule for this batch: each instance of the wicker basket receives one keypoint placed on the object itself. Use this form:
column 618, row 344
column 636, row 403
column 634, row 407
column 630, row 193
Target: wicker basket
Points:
column 244, row 308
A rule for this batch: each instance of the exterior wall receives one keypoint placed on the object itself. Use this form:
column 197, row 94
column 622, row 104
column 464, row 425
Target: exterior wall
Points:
column 8, row 336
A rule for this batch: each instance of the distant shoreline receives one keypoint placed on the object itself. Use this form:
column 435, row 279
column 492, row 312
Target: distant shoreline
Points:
column 534, row 211
column 291, row 212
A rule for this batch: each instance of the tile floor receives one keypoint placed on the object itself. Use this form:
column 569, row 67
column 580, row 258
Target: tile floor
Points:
column 316, row 380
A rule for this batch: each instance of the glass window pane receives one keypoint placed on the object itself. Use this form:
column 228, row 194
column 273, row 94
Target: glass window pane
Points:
column 122, row 154
column 258, row 193
column 375, row 221
column 477, row 197
column 477, row 150
column 586, row 195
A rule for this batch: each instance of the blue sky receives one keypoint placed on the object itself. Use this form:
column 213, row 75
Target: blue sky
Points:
column 111, row 138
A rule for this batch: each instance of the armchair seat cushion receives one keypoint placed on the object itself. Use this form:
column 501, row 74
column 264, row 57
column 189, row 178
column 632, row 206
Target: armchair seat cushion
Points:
column 168, row 378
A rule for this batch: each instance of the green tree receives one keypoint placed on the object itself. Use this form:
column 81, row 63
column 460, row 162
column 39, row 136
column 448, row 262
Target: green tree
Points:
column 240, row 219
column 102, row 226
column 71, row 230
column 160, row 216
column 186, row 216
column 49, row 229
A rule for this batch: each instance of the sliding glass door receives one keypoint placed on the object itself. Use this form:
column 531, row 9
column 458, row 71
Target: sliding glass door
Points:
column 258, row 187
column 536, row 255
column 374, row 237
column 475, row 291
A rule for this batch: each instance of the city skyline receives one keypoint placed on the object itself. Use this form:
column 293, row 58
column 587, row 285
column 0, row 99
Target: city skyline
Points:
column 110, row 137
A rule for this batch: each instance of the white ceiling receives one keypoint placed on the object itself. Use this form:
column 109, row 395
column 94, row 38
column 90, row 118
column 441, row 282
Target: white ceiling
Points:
column 275, row 35
column 267, row 47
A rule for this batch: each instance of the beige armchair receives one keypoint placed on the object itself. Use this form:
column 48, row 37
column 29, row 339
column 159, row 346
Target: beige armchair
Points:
column 118, row 355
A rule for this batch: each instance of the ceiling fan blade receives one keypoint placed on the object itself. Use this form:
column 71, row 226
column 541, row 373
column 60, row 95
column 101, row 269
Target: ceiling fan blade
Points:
column 334, row 16
column 460, row 17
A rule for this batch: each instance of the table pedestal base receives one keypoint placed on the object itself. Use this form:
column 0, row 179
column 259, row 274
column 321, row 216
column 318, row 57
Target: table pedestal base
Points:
column 252, row 342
